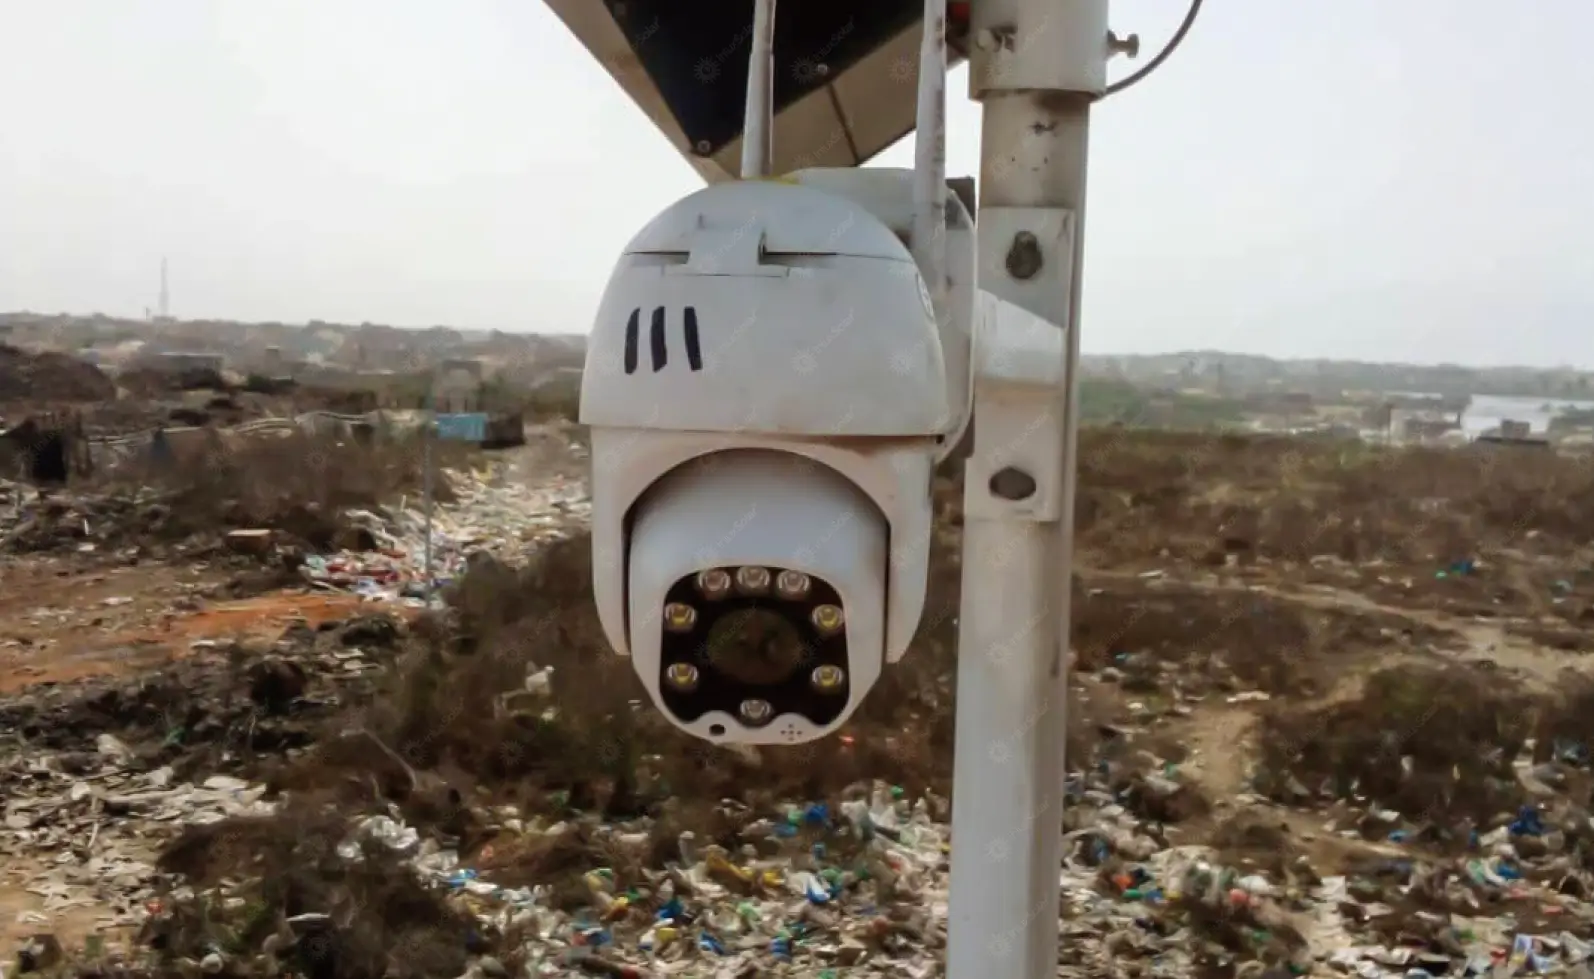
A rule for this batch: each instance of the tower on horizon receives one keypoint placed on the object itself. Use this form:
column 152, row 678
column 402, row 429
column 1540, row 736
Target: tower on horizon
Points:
column 164, row 311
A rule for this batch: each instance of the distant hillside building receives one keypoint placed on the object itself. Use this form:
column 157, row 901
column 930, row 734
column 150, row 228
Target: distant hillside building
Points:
column 180, row 361
column 277, row 362
column 459, row 384
column 1420, row 426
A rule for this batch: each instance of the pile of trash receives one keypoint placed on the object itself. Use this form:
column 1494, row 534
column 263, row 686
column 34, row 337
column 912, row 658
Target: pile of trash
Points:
column 488, row 516
column 384, row 553
column 460, row 828
column 854, row 885
column 219, row 709
column 34, row 521
column 81, row 835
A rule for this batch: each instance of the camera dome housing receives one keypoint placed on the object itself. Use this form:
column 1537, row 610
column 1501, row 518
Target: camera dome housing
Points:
column 765, row 388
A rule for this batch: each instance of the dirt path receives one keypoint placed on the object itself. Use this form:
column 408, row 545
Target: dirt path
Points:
column 59, row 624
column 30, row 906
column 1219, row 733
column 1485, row 641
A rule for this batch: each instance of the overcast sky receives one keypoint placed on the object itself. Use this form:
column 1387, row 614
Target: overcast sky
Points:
column 1356, row 178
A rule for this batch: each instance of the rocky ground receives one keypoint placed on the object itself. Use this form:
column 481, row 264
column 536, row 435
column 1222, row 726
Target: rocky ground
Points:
column 1331, row 715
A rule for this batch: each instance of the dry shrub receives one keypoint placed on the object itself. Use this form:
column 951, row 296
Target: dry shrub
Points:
column 605, row 747
column 1231, row 934
column 1566, row 724
column 297, row 483
column 604, row 744
column 384, row 924
column 1435, row 744
column 1200, row 638
column 1199, row 496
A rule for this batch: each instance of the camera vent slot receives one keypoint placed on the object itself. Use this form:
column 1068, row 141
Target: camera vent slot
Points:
column 659, row 340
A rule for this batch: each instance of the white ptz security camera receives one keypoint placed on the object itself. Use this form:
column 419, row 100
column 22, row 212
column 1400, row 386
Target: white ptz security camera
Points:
column 767, row 397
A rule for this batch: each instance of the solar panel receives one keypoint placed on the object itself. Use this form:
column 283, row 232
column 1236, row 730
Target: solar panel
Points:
column 844, row 73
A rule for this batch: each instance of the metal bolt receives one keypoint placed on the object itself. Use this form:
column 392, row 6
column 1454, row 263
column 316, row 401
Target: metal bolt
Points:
column 994, row 39
column 1012, row 484
column 703, row 147
column 1024, row 257
column 1123, row 45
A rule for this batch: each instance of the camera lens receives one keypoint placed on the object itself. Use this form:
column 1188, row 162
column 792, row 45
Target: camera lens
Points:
column 755, row 646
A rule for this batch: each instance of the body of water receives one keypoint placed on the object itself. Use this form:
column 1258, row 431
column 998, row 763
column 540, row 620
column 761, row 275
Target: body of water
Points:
column 1488, row 411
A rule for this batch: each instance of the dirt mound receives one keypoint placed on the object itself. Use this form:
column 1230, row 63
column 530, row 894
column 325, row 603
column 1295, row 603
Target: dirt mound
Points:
column 50, row 377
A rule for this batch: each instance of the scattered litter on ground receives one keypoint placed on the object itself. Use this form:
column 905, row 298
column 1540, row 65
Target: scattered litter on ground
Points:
column 1289, row 754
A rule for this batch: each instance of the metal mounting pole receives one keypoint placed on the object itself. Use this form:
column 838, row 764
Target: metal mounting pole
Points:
column 758, row 123
column 929, row 156
column 1037, row 66
column 429, row 433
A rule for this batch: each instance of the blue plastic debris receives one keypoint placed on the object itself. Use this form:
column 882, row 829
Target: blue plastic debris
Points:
column 1099, row 851
column 468, row 427
column 815, row 891
column 1572, row 753
column 1528, row 822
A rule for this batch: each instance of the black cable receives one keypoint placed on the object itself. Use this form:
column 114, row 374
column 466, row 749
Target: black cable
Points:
column 1163, row 55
